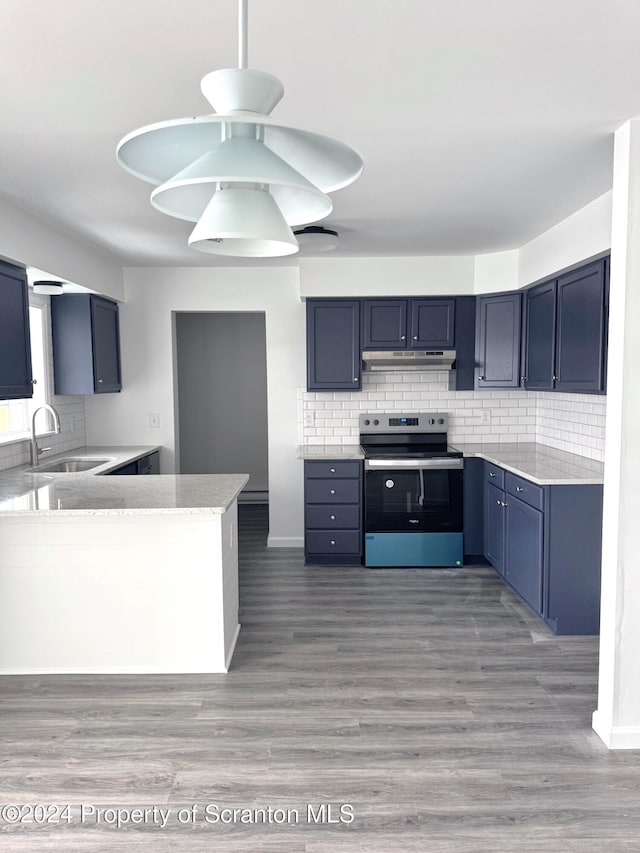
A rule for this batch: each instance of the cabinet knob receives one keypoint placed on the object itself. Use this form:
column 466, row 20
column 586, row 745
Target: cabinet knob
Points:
column 34, row 381
column 355, row 378
column 481, row 378
column 555, row 378
column 332, row 517
column 415, row 337
column 332, row 491
column 523, row 379
column 519, row 489
column 333, row 470
column 504, row 504
column 403, row 337
column 100, row 381
column 332, row 542
column 499, row 503
column 491, row 474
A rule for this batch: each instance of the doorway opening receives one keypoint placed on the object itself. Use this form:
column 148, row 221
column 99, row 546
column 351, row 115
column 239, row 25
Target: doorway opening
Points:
column 221, row 381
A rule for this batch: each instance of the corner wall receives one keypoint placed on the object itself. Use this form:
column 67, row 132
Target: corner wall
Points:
column 146, row 323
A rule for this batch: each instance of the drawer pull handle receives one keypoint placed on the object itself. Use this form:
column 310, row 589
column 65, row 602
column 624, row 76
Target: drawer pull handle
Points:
column 491, row 474
column 332, row 542
column 332, row 491
column 518, row 489
column 333, row 470
column 332, row 517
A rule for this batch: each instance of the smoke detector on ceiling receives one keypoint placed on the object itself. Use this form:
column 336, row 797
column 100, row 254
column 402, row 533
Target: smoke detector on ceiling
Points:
column 48, row 288
column 316, row 238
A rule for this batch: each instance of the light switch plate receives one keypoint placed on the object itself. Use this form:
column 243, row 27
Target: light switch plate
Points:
column 154, row 420
column 486, row 416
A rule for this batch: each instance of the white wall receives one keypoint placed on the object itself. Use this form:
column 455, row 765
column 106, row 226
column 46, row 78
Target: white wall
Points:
column 151, row 295
column 27, row 240
column 419, row 276
column 496, row 271
column 582, row 235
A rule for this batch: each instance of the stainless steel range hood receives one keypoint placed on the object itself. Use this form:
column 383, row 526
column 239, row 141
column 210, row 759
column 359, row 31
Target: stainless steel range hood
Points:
column 408, row 359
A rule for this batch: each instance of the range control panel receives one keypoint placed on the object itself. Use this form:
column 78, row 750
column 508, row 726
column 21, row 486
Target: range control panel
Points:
column 379, row 422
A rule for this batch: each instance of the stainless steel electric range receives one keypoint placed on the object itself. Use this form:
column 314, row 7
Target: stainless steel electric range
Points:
column 413, row 495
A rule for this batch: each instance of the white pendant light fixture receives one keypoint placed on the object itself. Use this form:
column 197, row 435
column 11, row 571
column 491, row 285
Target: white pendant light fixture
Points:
column 241, row 175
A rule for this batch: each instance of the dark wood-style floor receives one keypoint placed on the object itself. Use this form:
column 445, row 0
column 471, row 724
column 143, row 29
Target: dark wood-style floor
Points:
column 429, row 700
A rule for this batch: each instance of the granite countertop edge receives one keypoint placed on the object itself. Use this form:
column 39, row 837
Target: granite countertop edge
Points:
column 523, row 459
column 89, row 494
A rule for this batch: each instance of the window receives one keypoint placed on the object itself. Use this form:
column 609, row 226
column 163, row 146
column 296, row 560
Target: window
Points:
column 15, row 415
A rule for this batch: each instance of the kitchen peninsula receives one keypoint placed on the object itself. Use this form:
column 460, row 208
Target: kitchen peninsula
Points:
column 118, row 574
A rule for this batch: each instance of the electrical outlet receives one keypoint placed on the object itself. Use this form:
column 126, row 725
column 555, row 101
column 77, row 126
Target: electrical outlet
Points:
column 154, row 420
column 486, row 416
column 309, row 418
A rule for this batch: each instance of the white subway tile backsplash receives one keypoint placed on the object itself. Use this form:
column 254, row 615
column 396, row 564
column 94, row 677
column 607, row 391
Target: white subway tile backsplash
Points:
column 571, row 422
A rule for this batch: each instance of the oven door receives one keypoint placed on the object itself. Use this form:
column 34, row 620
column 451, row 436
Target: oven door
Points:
column 413, row 496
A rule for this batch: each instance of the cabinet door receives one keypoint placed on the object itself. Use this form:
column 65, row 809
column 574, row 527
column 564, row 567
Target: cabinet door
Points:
column 524, row 551
column 432, row 323
column 385, row 323
column 15, row 343
column 540, row 325
column 333, row 345
column 580, row 330
column 498, row 340
column 106, row 345
column 494, row 527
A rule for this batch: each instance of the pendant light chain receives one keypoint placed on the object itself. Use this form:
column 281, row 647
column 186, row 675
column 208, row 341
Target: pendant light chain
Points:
column 243, row 36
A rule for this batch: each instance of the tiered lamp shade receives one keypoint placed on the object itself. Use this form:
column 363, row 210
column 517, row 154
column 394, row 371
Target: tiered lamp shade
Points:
column 245, row 222
column 205, row 168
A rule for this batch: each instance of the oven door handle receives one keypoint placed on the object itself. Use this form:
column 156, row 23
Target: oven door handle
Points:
column 413, row 464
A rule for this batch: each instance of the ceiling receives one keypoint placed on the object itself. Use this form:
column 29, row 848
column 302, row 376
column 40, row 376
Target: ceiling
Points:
column 481, row 124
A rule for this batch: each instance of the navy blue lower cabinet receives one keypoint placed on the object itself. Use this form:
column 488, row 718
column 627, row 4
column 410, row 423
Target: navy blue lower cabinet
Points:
column 473, row 504
column 546, row 543
column 523, row 558
column 333, row 512
column 495, row 527
column 573, row 542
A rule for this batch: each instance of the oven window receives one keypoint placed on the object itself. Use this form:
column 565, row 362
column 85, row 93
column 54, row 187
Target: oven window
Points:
column 413, row 500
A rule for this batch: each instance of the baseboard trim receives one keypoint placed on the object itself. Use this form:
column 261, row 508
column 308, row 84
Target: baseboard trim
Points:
column 227, row 662
column 285, row 542
column 616, row 737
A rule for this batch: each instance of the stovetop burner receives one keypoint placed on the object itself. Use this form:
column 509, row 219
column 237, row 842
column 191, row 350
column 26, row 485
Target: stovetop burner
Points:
column 406, row 436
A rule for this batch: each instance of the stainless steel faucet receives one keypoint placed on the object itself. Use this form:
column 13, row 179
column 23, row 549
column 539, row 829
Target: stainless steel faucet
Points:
column 35, row 450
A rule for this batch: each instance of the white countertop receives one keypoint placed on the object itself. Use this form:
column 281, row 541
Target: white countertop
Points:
column 330, row 451
column 539, row 463
column 24, row 492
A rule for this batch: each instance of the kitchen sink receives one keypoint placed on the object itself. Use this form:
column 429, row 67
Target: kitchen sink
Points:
column 69, row 465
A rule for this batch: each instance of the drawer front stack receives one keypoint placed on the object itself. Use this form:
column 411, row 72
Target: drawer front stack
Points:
column 333, row 512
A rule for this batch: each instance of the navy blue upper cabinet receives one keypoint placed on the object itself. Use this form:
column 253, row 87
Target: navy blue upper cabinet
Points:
column 409, row 323
column 385, row 323
column 498, row 324
column 15, row 343
column 540, row 326
column 580, row 329
column 86, row 344
column 566, row 331
column 333, row 345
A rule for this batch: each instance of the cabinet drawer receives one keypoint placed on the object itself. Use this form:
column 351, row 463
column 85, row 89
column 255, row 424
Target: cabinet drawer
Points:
column 328, row 517
column 332, row 491
column 494, row 475
column 333, row 468
column 525, row 490
column 334, row 542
